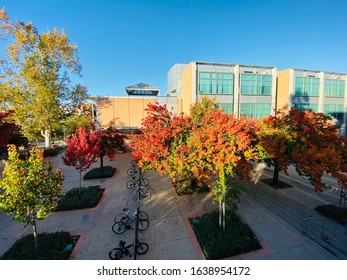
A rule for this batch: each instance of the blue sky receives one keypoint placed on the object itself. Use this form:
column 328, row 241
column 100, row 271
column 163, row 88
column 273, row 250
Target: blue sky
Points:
column 122, row 43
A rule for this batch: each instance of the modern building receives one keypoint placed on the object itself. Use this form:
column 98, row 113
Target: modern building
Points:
column 323, row 92
column 247, row 90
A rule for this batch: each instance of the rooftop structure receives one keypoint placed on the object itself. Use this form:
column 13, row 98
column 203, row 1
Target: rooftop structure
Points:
column 142, row 89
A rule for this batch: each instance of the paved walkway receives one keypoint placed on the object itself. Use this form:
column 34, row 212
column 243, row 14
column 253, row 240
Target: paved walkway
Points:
column 169, row 235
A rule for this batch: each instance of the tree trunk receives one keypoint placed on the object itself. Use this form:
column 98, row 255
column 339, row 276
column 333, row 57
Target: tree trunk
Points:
column 47, row 134
column 223, row 214
column 220, row 214
column 36, row 241
column 276, row 175
column 79, row 188
column 101, row 161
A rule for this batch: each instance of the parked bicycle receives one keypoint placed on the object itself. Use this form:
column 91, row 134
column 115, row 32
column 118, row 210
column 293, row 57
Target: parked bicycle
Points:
column 129, row 213
column 121, row 226
column 141, row 192
column 118, row 252
column 140, row 181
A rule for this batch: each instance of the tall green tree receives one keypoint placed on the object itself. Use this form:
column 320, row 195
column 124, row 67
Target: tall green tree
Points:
column 29, row 189
column 35, row 77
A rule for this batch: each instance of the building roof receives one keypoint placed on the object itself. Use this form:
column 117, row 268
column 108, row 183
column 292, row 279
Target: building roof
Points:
column 142, row 89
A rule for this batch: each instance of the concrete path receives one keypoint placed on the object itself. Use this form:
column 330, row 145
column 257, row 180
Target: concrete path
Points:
column 169, row 235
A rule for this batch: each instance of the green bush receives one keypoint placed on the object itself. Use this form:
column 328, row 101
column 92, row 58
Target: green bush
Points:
column 89, row 198
column 331, row 211
column 52, row 246
column 99, row 173
column 216, row 244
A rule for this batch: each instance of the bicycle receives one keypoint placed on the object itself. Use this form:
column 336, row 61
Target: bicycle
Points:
column 140, row 181
column 121, row 226
column 124, row 217
column 141, row 192
column 118, row 252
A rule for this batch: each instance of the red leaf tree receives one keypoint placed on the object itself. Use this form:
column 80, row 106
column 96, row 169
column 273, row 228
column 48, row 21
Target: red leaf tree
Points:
column 10, row 132
column 82, row 151
column 109, row 142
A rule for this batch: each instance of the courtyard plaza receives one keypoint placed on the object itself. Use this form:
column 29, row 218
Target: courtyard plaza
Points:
column 275, row 215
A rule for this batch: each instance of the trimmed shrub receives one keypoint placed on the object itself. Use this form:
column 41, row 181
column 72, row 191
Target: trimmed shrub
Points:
column 216, row 244
column 331, row 211
column 90, row 197
column 52, row 246
column 99, row 173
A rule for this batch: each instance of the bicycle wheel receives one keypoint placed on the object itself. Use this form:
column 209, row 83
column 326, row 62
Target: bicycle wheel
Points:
column 142, row 224
column 133, row 162
column 142, row 215
column 149, row 192
column 131, row 171
column 144, row 182
column 141, row 248
column 130, row 184
column 134, row 194
column 115, row 254
column 119, row 227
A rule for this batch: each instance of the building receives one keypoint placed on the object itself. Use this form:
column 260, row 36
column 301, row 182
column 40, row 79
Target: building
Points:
column 125, row 111
column 240, row 89
column 323, row 92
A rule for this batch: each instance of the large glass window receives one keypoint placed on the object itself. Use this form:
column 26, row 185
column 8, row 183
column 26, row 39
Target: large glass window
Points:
column 256, row 84
column 306, row 106
column 216, row 83
column 334, row 110
column 334, row 88
column 255, row 110
column 306, row 86
column 228, row 107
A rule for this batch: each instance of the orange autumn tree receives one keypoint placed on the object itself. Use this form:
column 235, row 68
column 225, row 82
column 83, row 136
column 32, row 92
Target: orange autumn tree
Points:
column 307, row 139
column 206, row 143
column 221, row 145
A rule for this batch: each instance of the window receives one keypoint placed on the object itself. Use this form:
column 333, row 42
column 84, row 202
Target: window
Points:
column 255, row 110
column 216, row 83
column 306, row 106
column 228, row 107
column 334, row 88
column 334, row 110
column 256, row 84
column 306, row 86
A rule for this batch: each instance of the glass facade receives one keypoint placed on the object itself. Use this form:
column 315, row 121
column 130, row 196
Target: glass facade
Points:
column 257, row 84
column 228, row 107
column 334, row 110
column 255, row 110
column 306, row 106
column 216, row 83
column 334, row 88
column 306, row 86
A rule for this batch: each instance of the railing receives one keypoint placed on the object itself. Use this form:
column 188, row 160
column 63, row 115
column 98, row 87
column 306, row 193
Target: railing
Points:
column 324, row 221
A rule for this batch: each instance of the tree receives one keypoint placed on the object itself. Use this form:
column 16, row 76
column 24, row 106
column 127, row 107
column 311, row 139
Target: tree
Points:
column 109, row 141
column 34, row 79
column 199, row 146
column 10, row 132
column 29, row 188
column 74, row 122
column 307, row 139
column 81, row 152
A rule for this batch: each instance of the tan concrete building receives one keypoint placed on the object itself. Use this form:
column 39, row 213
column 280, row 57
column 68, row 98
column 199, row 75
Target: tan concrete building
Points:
column 323, row 92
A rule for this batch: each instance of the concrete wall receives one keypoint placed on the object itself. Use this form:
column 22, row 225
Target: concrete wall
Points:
column 129, row 111
column 187, row 87
column 283, row 86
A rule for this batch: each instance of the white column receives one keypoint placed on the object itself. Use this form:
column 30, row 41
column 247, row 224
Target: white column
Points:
column 237, row 91
column 291, row 88
column 273, row 91
column 321, row 93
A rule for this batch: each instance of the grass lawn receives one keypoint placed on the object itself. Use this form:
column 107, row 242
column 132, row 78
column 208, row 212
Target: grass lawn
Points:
column 89, row 198
column 331, row 211
column 237, row 238
column 52, row 246
column 99, row 173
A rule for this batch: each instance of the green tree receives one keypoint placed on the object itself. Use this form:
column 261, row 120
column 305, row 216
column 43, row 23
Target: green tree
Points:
column 34, row 77
column 29, row 188
column 74, row 122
